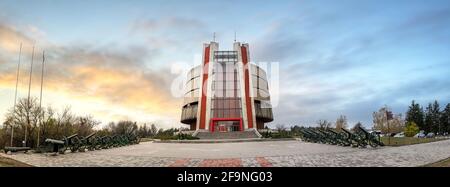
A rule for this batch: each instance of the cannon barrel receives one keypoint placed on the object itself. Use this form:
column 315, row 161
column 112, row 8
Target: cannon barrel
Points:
column 53, row 141
column 72, row 136
column 363, row 130
column 346, row 131
column 90, row 135
column 15, row 149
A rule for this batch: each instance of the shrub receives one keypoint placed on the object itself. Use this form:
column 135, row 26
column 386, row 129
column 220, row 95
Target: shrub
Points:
column 411, row 129
column 182, row 136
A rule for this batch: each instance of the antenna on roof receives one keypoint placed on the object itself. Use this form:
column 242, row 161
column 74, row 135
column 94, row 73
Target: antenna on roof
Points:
column 234, row 36
column 214, row 36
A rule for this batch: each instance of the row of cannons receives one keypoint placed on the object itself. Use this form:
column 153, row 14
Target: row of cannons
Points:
column 76, row 143
column 359, row 138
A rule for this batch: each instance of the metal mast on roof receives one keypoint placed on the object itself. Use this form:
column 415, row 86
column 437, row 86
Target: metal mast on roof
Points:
column 214, row 37
column 28, row 102
column 234, row 36
column 40, row 99
column 15, row 95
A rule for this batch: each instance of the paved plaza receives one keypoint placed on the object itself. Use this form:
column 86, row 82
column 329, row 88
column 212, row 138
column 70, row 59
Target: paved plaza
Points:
column 252, row 154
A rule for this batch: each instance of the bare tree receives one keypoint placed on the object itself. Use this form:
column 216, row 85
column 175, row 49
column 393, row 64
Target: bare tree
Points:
column 385, row 121
column 281, row 127
column 27, row 114
column 153, row 130
column 324, row 124
column 341, row 123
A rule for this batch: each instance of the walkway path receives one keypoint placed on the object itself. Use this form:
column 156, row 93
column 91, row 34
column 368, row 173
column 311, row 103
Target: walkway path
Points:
column 266, row 154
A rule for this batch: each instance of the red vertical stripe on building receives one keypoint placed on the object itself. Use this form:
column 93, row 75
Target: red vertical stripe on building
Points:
column 204, row 89
column 248, row 100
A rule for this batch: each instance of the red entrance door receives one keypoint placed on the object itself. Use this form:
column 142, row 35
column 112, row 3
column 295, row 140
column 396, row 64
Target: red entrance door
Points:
column 223, row 128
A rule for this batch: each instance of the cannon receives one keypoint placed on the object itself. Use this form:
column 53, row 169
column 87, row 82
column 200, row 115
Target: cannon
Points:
column 55, row 146
column 330, row 138
column 134, row 139
column 372, row 139
column 309, row 136
column 315, row 136
column 107, row 142
column 16, row 149
column 88, row 142
column 341, row 138
column 73, row 142
column 306, row 136
column 356, row 139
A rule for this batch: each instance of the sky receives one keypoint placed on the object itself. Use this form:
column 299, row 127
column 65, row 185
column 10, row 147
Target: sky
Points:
column 113, row 59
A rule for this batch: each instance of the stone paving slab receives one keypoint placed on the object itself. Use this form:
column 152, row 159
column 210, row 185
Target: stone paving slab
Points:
column 247, row 154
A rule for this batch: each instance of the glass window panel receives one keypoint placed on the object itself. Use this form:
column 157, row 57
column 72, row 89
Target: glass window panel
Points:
column 230, row 68
column 263, row 93
column 220, row 104
column 197, row 71
column 254, row 80
column 233, row 103
column 253, row 69
column 237, row 85
column 218, row 85
column 236, row 113
column 262, row 84
column 216, row 103
column 226, row 113
column 229, row 93
column 255, row 92
column 230, row 85
column 196, row 93
column 229, row 76
column 262, row 73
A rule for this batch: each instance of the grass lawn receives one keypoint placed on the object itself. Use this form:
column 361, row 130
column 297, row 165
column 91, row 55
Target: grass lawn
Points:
column 394, row 141
column 7, row 162
column 442, row 163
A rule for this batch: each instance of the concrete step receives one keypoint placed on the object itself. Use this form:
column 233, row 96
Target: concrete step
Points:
column 227, row 135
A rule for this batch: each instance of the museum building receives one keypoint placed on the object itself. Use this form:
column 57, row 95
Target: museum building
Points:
column 226, row 92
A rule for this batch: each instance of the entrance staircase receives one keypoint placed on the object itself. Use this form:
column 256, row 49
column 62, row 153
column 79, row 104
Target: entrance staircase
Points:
column 228, row 135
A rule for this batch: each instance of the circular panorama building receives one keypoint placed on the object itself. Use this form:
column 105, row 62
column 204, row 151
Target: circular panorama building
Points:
column 226, row 93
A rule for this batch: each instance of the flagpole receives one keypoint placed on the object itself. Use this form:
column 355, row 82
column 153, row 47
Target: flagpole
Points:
column 28, row 103
column 40, row 100
column 15, row 95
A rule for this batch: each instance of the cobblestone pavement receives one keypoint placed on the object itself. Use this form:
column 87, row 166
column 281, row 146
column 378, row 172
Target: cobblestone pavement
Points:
column 250, row 154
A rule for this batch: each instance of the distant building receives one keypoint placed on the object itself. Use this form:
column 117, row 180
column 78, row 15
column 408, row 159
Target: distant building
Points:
column 226, row 93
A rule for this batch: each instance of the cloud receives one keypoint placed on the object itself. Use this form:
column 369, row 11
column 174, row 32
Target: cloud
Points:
column 11, row 39
column 354, row 72
column 171, row 33
column 86, row 74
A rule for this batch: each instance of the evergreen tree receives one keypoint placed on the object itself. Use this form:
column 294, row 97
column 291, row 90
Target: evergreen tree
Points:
column 436, row 124
column 415, row 114
column 428, row 118
column 432, row 118
column 445, row 119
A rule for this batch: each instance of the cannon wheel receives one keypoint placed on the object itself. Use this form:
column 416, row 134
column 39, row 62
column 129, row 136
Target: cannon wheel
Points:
column 376, row 140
